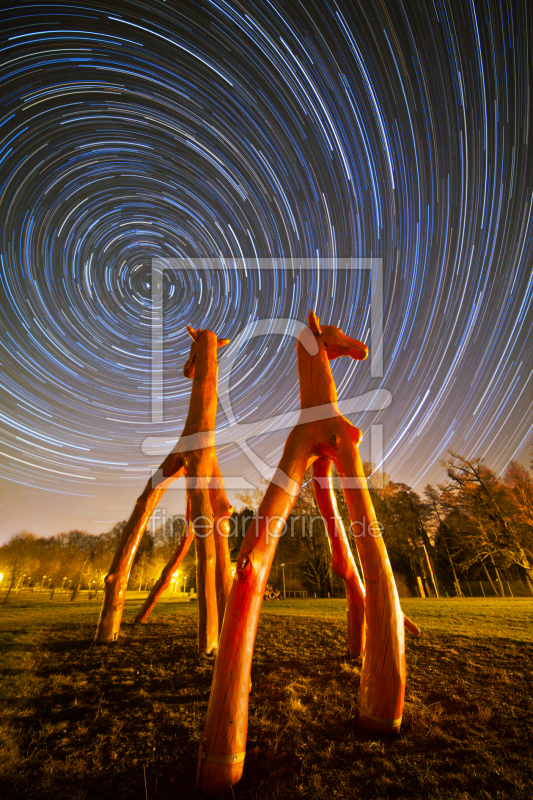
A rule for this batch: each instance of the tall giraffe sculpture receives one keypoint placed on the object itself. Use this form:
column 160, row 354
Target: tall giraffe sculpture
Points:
column 208, row 509
column 322, row 437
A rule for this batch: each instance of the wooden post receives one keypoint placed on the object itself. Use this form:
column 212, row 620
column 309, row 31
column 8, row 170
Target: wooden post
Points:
column 431, row 572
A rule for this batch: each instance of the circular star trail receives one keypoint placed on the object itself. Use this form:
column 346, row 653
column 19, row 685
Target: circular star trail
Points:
column 132, row 132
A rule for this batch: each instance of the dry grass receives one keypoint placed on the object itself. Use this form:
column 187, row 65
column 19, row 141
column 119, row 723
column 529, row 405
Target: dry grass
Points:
column 86, row 723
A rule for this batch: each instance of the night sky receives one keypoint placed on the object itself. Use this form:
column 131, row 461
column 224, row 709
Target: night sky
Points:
column 137, row 131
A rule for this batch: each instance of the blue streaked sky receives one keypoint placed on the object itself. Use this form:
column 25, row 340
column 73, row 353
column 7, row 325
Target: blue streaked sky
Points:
column 134, row 131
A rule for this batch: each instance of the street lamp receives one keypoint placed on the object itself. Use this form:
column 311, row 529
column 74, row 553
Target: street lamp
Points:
column 175, row 578
column 283, row 571
column 41, row 588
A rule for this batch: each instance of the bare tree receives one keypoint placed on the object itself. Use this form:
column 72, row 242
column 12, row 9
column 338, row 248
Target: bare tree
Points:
column 486, row 512
column 15, row 556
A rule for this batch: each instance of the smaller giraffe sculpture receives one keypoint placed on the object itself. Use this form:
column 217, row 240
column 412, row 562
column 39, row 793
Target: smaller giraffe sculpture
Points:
column 208, row 509
column 321, row 438
column 204, row 461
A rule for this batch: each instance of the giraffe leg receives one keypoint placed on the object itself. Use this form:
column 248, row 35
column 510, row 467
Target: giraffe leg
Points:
column 224, row 741
column 342, row 560
column 117, row 579
column 164, row 579
column 382, row 688
column 222, row 510
column 202, row 523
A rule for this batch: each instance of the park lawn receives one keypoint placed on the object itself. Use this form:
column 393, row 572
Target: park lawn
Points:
column 27, row 615
column 502, row 618
column 124, row 721
column 507, row 618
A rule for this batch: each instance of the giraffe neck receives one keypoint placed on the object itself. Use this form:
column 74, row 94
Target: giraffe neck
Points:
column 203, row 403
column 317, row 386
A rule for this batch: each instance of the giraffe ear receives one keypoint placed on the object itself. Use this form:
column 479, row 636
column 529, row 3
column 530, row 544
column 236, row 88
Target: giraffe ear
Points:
column 314, row 324
column 192, row 333
column 223, row 342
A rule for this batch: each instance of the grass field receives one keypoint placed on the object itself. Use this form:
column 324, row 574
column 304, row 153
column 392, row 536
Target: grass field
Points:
column 81, row 722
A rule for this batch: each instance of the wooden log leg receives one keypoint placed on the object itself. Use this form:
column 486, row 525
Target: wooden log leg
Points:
column 117, row 580
column 202, row 522
column 342, row 559
column 163, row 582
column 222, row 511
column 223, row 745
column 382, row 688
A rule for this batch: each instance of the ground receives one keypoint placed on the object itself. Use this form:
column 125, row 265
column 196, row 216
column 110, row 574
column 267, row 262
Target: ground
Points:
column 81, row 722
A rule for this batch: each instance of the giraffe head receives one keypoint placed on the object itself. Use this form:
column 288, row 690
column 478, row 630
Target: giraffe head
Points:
column 188, row 369
column 336, row 343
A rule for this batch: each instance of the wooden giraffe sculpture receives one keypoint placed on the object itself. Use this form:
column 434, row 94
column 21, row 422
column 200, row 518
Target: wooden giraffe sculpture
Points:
column 321, row 437
column 208, row 509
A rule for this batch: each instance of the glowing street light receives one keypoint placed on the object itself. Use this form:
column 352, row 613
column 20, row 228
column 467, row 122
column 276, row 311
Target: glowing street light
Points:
column 175, row 576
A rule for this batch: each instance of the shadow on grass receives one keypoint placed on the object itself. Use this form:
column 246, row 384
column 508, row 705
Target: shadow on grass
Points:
column 88, row 722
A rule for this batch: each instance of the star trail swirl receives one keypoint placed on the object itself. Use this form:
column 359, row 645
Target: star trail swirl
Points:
column 137, row 131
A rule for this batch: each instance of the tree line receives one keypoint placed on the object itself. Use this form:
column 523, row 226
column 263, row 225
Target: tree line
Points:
column 473, row 533
column 476, row 528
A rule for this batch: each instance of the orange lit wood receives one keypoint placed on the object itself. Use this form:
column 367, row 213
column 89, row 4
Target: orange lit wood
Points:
column 168, row 570
column 324, row 435
column 206, row 502
column 342, row 559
